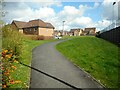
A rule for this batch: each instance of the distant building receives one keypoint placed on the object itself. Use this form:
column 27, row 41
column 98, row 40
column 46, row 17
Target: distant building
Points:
column 34, row 27
column 89, row 31
column 76, row 32
column 60, row 33
column 57, row 33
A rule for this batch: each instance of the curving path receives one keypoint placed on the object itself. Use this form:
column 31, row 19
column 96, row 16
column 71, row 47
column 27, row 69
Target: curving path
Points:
column 49, row 60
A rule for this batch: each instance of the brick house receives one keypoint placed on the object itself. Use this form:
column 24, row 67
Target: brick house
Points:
column 57, row 33
column 90, row 31
column 60, row 33
column 34, row 27
column 66, row 33
column 76, row 32
column 18, row 25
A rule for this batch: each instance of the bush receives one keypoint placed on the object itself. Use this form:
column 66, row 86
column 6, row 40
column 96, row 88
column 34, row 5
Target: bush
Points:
column 8, row 66
column 40, row 37
column 11, row 53
column 12, row 39
column 48, row 37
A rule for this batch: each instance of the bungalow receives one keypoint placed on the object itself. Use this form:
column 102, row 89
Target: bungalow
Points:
column 34, row 27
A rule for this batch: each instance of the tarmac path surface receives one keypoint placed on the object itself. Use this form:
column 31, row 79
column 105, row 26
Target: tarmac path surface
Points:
column 46, row 58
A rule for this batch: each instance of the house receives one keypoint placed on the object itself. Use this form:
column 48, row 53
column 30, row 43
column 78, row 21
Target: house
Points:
column 76, row 32
column 66, row 33
column 57, row 33
column 34, row 27
column 60, row 33
column 90, row 31
column 18, row 25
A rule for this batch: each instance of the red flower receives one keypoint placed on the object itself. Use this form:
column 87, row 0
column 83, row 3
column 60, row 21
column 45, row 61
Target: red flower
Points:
column 3, row 54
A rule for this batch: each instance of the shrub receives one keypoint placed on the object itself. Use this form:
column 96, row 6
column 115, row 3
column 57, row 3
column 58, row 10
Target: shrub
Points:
column 48, row 37
column 40, row 37
column 8, row 66
column 12, row 39
column 11, row 52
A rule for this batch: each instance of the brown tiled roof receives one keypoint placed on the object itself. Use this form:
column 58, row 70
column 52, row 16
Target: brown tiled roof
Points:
column 88, row 29
column 33, row 23
column 78, row 29
column 39, row 23
column 19, row 24
column 49, row 25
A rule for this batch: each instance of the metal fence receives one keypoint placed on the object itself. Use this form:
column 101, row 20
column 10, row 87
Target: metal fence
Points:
column 111, row 33
column 112, row 26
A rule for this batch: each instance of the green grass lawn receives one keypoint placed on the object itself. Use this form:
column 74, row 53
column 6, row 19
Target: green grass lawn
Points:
column 22, row 73
column 96, row 56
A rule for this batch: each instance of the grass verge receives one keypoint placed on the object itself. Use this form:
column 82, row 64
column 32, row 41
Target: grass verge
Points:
column 96, row 56
column 23, row 73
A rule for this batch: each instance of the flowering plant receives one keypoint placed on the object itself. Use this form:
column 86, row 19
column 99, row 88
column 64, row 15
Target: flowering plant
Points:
column 8, row 58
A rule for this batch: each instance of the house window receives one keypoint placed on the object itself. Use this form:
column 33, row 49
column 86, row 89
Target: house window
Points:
column 47, row 30
column 30, row 29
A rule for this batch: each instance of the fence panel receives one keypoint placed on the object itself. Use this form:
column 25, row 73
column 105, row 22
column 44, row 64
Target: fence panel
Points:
column 112, row 35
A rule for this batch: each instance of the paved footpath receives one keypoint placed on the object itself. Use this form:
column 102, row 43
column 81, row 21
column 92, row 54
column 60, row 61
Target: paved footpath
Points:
column 46, row 58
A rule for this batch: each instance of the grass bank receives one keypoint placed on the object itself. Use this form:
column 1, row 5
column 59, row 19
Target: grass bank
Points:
column 96, row 56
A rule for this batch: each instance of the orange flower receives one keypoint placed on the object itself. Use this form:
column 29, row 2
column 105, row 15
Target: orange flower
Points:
column 8, row 56
column 14, row 67
column 6, row 73
column 3, row 86
column 5, row 51
column 15, row 61
column 11, row 81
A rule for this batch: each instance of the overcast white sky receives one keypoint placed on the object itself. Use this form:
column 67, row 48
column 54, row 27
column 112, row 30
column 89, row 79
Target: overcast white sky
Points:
column 77, row 14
